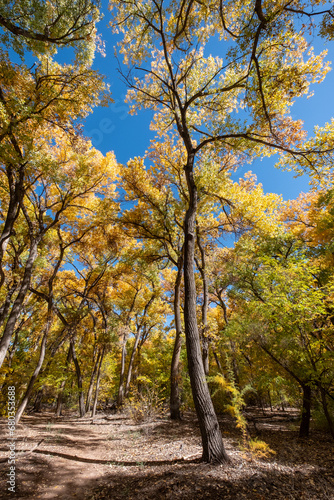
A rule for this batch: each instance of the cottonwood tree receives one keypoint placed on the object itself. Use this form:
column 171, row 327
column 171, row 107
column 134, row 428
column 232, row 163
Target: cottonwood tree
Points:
column 265, row 67
column 43, row 27
column 157, row 220
column 58, row 191
column 280, row 297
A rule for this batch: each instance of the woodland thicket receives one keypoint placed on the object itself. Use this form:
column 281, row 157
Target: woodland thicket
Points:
column 164, row 282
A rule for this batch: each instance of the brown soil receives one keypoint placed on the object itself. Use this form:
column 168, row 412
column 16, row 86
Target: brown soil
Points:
column 113, row 458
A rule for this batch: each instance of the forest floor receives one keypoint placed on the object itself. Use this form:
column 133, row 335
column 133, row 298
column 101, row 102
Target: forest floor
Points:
column 114, row 458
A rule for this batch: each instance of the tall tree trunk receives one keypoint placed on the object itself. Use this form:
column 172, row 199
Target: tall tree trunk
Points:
column 175, row 401
column 217, row 361
column 132, row 357
column 14, row 314
column 25, row 399
column 213, row 447
column 91, row 382
column 97, row 385
column 120, row 398
column 304, row 428
column 205, row 340
column 60, row 398
column 326, row 412
column 62, row 385
column 38, row 400
column 79, row 379
column 16, row 192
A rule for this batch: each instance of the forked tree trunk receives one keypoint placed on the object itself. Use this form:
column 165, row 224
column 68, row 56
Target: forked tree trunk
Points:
column 175, row 401
column 213, row 447
column 304, row 428
column 79, row 379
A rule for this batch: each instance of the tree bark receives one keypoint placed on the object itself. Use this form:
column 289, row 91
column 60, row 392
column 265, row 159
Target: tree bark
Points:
column 213, row 447
column 304, row 428
column 175, row 402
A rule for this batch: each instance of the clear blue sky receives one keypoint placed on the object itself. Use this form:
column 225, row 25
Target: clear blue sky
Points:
column 128, row 136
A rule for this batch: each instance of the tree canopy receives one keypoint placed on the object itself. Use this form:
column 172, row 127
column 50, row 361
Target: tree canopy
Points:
column 120, row 279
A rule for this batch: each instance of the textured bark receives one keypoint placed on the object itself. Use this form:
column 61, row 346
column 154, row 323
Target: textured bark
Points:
column 175, row 401
column 213, row 447
column 304, row 428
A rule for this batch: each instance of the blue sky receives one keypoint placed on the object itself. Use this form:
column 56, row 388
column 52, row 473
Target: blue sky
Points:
column 128, row 136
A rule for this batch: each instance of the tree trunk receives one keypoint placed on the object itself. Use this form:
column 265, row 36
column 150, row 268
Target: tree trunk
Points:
column 62, row 385
column 132, row 357
column 205, row 340
column 175, row 402
column 97, row 385
column 16, row 192
column 205, row 354
column 91, row 382
column 38, row 401
column 16, row 309
column 60, row 398
column 37, row 370
column 79, row 379
column 120, row 398
column 213, row 447
column 326, row 412
column 217, row 361
column 304, row 428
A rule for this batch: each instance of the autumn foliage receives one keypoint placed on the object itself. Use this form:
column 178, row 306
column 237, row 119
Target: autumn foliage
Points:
column 166, row 282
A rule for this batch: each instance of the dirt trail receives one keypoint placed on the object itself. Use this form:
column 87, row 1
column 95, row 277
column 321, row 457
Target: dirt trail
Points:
column 113, row 458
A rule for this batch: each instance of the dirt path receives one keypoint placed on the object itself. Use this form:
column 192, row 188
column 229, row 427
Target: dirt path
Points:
column 115, row 459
